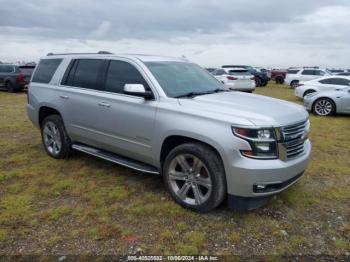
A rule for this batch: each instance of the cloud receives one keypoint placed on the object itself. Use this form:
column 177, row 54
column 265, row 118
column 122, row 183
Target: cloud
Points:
column 270, row 32
column 101, row 31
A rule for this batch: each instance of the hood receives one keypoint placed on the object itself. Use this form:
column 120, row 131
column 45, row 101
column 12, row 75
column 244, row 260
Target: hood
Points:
column 258, row 109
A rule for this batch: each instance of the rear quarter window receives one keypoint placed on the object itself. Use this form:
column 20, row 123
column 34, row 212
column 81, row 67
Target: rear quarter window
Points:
column 45, row 70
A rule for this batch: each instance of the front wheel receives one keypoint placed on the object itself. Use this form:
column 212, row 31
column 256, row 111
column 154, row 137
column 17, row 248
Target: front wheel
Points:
column 324, row 107
column 194, row 176
column 55, row 138
column 294, row 84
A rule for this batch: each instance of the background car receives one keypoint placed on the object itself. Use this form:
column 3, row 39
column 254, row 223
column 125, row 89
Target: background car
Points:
column 327, row 103
column 278, row 75
column 296, row 75
column 261, row 79
column 236, row 78
column 14, row 78
column 321, row 84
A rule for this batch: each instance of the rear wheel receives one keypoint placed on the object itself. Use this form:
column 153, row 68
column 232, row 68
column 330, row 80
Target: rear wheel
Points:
column 55, row 138
column 258, row 82
column 279, row 80
column 323, row 107
column 195, row 177
column 9, row 87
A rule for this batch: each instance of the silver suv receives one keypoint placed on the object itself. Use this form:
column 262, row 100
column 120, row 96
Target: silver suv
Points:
column 169, row 116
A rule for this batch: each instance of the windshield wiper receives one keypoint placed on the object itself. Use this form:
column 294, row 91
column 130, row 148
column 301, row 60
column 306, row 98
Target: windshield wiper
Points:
column 193, row 94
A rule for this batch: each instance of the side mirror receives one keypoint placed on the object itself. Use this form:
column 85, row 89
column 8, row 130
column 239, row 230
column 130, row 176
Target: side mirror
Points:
column 137, row 90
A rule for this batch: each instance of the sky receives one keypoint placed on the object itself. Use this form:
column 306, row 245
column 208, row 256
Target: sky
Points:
column 269, row 33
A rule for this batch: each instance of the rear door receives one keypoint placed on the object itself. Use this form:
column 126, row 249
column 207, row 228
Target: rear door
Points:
column 79, row 97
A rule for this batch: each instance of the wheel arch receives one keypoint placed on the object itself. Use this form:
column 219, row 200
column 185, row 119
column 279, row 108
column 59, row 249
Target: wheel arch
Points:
column 173, row 141
column 308, row 91
column 45, row 111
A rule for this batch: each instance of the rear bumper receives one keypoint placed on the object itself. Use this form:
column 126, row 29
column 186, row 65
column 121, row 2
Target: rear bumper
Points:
column 246, row 87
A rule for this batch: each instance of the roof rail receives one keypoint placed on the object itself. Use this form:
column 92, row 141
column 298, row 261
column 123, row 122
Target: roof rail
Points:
column 99, row 53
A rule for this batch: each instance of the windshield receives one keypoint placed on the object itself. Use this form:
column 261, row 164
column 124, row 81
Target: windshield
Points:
column 180, row 78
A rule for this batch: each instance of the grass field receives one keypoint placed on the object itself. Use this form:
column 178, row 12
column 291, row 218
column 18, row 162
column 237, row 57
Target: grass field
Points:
column 85, row 205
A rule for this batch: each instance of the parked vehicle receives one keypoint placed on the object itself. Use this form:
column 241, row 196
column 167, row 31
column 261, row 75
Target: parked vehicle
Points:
column 261, row 79
column 329, row 102
column 14, row 78
column 278, row 75
column 168, row 116
column 321, row 84
column 296, row 75
column 264, row 71
column 236, row 79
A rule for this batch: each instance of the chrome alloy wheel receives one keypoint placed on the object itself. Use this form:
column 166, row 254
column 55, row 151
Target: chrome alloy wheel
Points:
column 52, row 138
column 323, row 107
column 189, row 179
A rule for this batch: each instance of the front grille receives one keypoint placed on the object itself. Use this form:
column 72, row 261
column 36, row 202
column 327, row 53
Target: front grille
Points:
column 293, row 139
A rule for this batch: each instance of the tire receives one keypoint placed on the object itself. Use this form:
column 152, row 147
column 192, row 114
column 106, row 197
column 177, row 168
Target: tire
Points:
column 55, row 139
column 265, row 82
column 9, row 87
column 294, row 84
column 196, row 170
column 308, row 92
column 258, row 82
column 323, row 107
column 279, row 80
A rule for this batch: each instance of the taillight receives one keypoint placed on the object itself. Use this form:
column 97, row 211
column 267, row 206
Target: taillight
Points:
column 20, row 78
column 300, row 84
column 231, row 78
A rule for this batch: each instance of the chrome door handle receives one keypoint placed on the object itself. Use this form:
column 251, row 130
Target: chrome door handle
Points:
column 64, row 97
column 104, row 104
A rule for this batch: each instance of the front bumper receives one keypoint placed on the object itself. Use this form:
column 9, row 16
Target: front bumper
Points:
column 307, row 104
column 246, row 174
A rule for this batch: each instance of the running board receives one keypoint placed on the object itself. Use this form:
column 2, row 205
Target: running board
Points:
column 123, row 161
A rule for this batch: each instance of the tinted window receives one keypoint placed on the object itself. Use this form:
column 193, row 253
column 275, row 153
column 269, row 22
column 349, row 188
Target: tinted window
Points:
column 120, row 73
column 239, row 72
column 319, row 73
column 6, row 69
column 220, row 72
column 308, row 72
column 335, row 81
column 46, row 69
column 84, row 73
column 292, row 71
column 28, row 70
column 340, row 81
column 327, row 81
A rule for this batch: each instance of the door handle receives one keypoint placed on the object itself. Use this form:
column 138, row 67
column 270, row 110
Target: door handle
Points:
column 64, row 97
column 104, row 104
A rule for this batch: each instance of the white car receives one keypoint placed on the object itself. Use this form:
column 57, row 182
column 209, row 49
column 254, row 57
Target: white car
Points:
column 235, row 79
column 296, row 75
column 321, row 84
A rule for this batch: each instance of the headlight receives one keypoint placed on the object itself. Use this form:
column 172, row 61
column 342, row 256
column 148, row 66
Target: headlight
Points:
column 262, row 142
